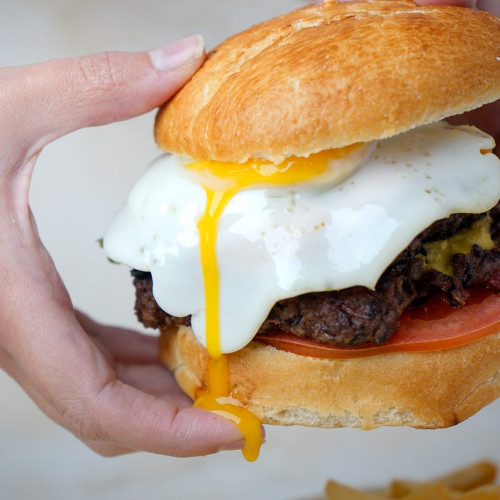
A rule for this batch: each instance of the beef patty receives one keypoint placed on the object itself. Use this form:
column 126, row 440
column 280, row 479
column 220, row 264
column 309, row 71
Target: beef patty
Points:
column 358, row 315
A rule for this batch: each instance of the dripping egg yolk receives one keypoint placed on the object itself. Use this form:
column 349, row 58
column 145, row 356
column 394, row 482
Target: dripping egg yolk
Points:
column 221, row 181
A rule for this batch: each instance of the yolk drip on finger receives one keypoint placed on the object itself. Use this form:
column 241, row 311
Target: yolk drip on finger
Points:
column 216, row 397
column 222, row 181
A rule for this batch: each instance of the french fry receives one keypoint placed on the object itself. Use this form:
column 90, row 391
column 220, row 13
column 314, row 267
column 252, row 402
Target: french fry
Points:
column 470, row 477
column 429, row 491
column 483, row 493
column 337, row 491
column 400, row 488
column 470, row 483
column 463, row 479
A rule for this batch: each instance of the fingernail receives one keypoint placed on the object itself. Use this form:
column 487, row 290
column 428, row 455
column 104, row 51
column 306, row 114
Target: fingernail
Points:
column 178, row 54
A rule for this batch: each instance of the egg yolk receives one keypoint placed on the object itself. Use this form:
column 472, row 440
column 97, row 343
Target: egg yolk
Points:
column 221, row 181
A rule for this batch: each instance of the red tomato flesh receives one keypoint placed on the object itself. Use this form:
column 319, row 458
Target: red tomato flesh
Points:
column 431, row 327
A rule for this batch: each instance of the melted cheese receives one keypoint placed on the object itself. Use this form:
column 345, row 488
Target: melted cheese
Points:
column 438, row 254
column 225, row 242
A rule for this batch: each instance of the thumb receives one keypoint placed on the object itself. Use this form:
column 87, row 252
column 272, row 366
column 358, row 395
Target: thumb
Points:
column 45, row 101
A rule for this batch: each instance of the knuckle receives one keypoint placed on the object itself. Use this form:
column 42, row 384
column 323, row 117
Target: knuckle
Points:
column 82, row 419
column 78, row 423
column 97, row 73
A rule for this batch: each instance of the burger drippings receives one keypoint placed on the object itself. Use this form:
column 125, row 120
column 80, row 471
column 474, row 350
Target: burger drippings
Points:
column 222, row 181
column 216, row 396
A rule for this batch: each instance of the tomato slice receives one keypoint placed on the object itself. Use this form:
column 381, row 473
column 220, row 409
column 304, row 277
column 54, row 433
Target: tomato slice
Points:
column 431, row 327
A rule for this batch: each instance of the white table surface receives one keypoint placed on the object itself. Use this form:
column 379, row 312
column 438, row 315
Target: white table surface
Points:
column 79, row 183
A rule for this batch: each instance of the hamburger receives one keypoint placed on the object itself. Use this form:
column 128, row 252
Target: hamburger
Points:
column 318, row 226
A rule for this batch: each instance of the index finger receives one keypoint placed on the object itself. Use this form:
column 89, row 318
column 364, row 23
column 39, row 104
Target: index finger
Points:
column 42, row 102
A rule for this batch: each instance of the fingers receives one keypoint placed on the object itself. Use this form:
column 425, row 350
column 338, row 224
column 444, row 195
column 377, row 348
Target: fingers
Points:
column 141, row 371
column 74, row 383
column 42, row 102
column 153, row 379
column 49, row 353
column 138, row 421
column 492, row 6
column 125, row 346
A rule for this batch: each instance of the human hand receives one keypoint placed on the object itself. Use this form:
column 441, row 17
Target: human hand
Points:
column 103, row 384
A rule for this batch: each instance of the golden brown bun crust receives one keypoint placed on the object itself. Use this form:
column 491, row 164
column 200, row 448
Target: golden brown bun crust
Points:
column 429, row 390
column 329, row 75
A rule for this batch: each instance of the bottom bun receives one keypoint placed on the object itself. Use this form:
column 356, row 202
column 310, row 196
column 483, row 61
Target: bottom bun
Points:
column 425, row 390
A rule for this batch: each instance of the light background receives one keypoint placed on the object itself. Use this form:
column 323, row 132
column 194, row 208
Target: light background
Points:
column 79, row 183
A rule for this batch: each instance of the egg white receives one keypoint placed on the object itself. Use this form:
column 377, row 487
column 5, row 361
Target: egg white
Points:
column 277, row 242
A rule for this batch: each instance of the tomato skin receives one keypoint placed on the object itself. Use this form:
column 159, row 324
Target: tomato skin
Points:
column 432, row 327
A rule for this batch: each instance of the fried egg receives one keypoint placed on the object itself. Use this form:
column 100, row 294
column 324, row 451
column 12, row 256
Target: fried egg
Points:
column 225, row 242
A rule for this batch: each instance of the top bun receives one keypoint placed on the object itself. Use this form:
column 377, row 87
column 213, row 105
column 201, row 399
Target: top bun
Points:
column 333, row 74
